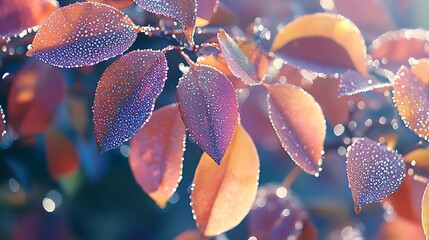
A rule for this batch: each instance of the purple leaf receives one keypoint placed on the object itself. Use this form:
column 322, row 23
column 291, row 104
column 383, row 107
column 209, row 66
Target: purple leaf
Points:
column 352, row 82
column 83, row 34
column 125, row 96
column 374, row 172
column 209, row 108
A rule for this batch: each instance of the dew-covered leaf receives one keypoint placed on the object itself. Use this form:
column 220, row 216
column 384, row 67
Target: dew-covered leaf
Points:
column 190, row 235
column 61, row 154
column 321, row 42
column 276, row 214
column 351, row 83
column 420, row 68
column 411, row 99
column 374, row 172
column 2, row 124
column 395, row 48
column 299, row 123
column 19, row 15
column 425, row 211
column 125, row 96
column 156, row 154
column 223, row 195
column 209, row 108
column 83, row 34
column 237, row 61
column 184, row 11
column 34, row 97
column 205, row 11
column 116, row 3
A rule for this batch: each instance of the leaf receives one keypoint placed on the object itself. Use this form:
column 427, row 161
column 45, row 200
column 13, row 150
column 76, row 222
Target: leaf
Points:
column 125, row 96
column 223, row 195
column 19, row 15
column 418, row 158
column 209, row 108
column 400, row 229
column 301, row 135
column 156, row 154
column 321, row 42
column 425, row 211
column 237, row 61
column 190, row 235
column 2, row 124
column 184, row 11
column 411, row 99
column 61, row 154
column 83, row 34
column 35, row 94
column 420, row 68
column 352, row 83
column 116, row 3
column 276, row 214
column 395, row 48
column 205, row 11
column 374, row 172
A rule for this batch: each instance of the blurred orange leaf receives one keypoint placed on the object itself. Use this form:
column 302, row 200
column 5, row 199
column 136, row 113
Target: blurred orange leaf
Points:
column 205, row 11
column 156, row 154
column 223, row 195
column 190, row 235
column 116, row 3
column 401, row 229
column 301, row 135
column 425, row 211
column 420, row 68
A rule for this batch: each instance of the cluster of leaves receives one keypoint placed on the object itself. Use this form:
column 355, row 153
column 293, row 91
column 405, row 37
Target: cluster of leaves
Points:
column 326, row 50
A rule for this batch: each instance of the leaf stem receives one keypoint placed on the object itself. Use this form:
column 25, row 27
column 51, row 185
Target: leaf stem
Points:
column 290, row 178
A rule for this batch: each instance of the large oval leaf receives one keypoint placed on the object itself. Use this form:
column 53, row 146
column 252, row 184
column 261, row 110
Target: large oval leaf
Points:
column 125, row 96
column 19, row 15
column 321, row 42
column 2, row 124
column 209, row 108
column 299, row 123
column 61, row 154
column 411, row 98
column 83, row 34
column 184, row 11
column 36, row 93
column 156, row 154
column 237, row 61
column 223, row 195
column 374, row 172
column 425, row 211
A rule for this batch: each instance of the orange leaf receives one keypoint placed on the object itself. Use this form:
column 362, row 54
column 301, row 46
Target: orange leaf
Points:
column 299, row 124
column 223, row 195
column 156, row 154
column 62, row 157
column 420, row 68
column 400, row 229
column 116, row 3
column 425, row 211
column 190, row 235
column 418, row 158
column 321, row 42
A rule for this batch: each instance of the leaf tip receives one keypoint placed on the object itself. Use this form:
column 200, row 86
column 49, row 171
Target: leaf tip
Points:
column 357, row 208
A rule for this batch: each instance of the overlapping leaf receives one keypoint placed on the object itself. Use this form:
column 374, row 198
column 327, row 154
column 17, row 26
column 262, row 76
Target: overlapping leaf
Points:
column 352, row 83
column 237, row 61
column 36, row 93
column 374, row 172
column 299, row 124
column 125, row 96
column 2, row 124
column 325, row 43
column 205, row 11
column 156, row 154
column 83, row 34
column 420, row 68
column 19, row 15
column 411, row 98
column 209, row 108
column 425, row 211
column 276, row 214
column 116, row 3
column 61, row 154
column 184, row 11
column 223, row 195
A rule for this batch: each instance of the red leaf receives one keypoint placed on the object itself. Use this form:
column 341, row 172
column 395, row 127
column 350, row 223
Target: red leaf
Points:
column 223, row 195
column 205, row 11
column 156, row 154
column 301, row 135
column 374, row 172
column 83, row 34
column 237, row 61
column 125, row 96
column 116, row 3
column 19, row 15
column 209, row 108
column 61, row 154
column 2, row 124
column 184, row 11
column 411, row 98
column 36, row 93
